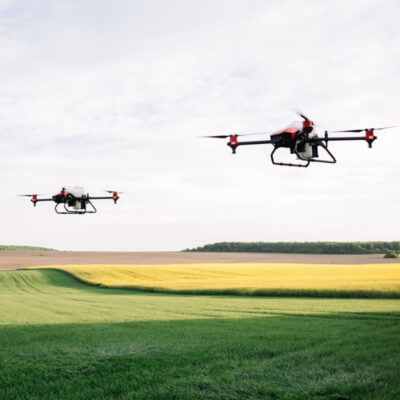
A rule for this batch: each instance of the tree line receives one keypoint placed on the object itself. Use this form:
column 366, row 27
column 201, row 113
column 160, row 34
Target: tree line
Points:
column 301, row 247
column 18, row 248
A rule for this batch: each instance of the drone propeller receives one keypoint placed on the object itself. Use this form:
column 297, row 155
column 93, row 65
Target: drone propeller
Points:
column 300, row 114
column 234, row 135
column 303, row 116
column 113, row 191
column 34, row 197
column 365, row 129
column 31, row 195
column 115, row 195
column 216, row 136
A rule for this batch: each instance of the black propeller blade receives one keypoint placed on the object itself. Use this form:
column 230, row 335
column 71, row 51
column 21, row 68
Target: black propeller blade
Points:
column 300, row 114
column 349, row 131
column 304, row 117
column 386, row 127
column 227, row 136
column 31, row 195
column 362, row 130
column 113, row 191
column 217, row 136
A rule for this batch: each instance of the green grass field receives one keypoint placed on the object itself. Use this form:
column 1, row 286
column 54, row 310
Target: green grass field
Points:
column 62, row 339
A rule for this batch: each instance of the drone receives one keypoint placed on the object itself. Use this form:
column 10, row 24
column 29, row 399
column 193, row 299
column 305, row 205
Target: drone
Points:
column 73, row 200
column 302, row 141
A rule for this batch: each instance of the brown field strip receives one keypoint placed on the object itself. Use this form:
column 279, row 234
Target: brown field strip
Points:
column 10, row 260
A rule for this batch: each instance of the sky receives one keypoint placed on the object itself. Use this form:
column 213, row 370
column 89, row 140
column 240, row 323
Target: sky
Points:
column 113, row 94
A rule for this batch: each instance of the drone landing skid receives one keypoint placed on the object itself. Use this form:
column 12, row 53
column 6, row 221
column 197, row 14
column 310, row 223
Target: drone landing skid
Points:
column 93, row 209
column 288, row 164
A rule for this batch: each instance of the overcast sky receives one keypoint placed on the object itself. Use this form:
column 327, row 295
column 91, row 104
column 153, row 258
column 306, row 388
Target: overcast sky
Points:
column 111, row 95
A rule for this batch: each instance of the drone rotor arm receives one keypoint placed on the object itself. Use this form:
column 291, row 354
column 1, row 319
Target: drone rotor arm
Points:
column 254, row 142
column 96, row 198
column 114, row 196
column 44, row 200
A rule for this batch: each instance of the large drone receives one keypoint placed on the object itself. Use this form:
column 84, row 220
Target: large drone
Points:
column 73, row 200
column 301, row 139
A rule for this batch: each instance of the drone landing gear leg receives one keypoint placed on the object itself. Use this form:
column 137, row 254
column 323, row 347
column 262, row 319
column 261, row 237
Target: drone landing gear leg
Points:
column 67, row 211
column 57, row 210
column 331, row 161
column 287, row 164
column 93, row 209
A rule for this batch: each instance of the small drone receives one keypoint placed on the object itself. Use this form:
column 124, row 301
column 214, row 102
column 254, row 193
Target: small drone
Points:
column 301, row 139
column 74, row 200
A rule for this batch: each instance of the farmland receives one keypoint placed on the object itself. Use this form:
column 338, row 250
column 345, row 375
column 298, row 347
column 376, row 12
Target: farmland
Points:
column 64, row 339
column 374, row 280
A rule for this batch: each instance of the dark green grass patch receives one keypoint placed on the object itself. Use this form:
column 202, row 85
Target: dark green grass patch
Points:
column 320, row 293
column 282, row 357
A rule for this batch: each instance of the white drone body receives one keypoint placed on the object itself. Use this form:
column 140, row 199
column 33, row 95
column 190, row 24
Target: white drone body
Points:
column 77, row 191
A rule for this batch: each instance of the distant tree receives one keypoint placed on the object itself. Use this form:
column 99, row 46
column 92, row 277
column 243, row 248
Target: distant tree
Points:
column 19, row 248
column 391, row 254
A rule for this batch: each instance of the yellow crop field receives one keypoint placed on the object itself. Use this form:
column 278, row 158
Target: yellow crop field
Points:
column 374, row 280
